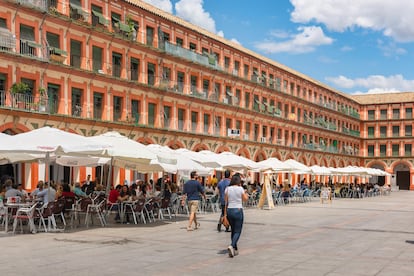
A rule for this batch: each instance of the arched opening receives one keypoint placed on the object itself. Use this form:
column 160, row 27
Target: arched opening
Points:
column 401, row 176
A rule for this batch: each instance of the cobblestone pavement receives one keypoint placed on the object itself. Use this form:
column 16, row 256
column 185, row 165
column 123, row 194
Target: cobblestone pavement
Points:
column 370, row 236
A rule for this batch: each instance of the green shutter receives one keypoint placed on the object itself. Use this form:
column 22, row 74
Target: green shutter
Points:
column 34, row 44
column 58, row 51
column 102, row 19
column 124, row 27
column 54, row 86
column 27, row 33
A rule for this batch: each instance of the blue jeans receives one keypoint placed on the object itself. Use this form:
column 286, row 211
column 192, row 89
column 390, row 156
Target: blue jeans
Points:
column 235, row 217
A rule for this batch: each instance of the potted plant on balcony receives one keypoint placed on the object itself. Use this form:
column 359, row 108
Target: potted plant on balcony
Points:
column 57, row 55
column 18, row 91
column 132, row 32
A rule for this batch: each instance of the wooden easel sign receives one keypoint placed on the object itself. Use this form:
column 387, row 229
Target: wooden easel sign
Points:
column 266, row 196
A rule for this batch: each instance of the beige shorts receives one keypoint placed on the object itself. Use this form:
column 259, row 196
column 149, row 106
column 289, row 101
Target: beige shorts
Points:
column 193, row 206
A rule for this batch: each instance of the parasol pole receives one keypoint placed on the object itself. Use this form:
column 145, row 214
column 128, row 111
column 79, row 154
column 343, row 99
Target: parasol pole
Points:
column 102, row 174
column 47, row 174
column 108, row 186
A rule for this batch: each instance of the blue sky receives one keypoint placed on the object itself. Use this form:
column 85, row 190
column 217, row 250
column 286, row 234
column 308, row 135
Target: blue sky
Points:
column 354, row 46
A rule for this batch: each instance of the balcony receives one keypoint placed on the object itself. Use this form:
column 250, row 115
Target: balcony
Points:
column 348, row 111
column 199, row 93
column 206, row 60
column 26, row 102
column 38, row 4
column 7, row 40
column 30, row 48
column 78, row 13
column 57, row 55
column 355, row 133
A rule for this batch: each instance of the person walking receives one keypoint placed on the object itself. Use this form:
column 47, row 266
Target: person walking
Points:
column 221, row 187
column 234, row 197
column 193, row 190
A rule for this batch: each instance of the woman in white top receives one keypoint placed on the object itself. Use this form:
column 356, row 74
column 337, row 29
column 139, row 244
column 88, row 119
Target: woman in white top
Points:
column 234, row 197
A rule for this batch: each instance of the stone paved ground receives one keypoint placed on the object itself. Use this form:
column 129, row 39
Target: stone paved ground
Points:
column 370, row 236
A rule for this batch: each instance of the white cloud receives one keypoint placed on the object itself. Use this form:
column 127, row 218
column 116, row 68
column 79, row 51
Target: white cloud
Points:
column 303, row 42
column 376, row 91
column 193, row 11
column 235, row 41
column 375, row 83
column 390, row 49
column 392, row 18
column 164, row 5
column 327, row 60
column 346, row 48
column 279, row 33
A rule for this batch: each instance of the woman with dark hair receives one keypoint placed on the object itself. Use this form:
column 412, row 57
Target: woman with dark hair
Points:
column 234, row 197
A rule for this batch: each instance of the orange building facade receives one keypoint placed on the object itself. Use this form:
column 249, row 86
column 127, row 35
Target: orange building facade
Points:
column 93, row 66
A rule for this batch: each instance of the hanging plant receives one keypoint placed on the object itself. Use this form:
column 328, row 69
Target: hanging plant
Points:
column 19, row 88
column 42, row 91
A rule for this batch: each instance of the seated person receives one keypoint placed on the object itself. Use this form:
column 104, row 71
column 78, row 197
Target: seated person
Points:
column 59, row 191
column 124, row 194
column 39, row 187
column 113, row 201
column 2, row 193
column 69, row 196
column 48, row 194
column 88, row 186
column 99, row 188
column 78, row 191
column 23, row 191
column 13, row 192
column 133, row 192
column 209, row 189
column 66, row 191
column 157, row 191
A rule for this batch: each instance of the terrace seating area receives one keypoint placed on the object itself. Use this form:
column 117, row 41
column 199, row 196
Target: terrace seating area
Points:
column 94, row 211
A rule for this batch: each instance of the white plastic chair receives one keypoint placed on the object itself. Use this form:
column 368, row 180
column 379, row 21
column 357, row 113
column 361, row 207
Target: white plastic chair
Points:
column 25, row 213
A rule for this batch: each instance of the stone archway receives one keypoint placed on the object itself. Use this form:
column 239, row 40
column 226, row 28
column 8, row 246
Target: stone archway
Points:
column 260, row 156
column 401, row 176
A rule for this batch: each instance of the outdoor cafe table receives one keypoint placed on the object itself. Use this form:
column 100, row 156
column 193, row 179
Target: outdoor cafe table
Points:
column 10, row 207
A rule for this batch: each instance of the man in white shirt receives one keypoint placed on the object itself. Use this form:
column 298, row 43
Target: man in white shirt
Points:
column 13, row 192
column 22, row 191
column 47, row 195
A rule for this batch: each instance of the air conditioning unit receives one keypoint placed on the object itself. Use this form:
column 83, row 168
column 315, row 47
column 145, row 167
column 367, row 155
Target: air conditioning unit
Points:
column 226, row 101
column 246, row 136
column 233, row 132
column 263, row 139
column 100, row 71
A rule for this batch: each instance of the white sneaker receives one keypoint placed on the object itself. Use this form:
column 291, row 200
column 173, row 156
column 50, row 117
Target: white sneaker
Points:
column 231, row 251
column 236, row 252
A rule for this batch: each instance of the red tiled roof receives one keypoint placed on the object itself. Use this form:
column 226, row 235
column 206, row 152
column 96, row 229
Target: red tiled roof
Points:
column 384, row 98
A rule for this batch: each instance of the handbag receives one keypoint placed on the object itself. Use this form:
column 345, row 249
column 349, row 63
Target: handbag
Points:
column 225, row 222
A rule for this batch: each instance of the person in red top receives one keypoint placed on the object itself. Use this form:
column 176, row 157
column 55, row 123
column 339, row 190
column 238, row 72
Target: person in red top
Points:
column 69, row 196
column 113, row 199
column 66, row 192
